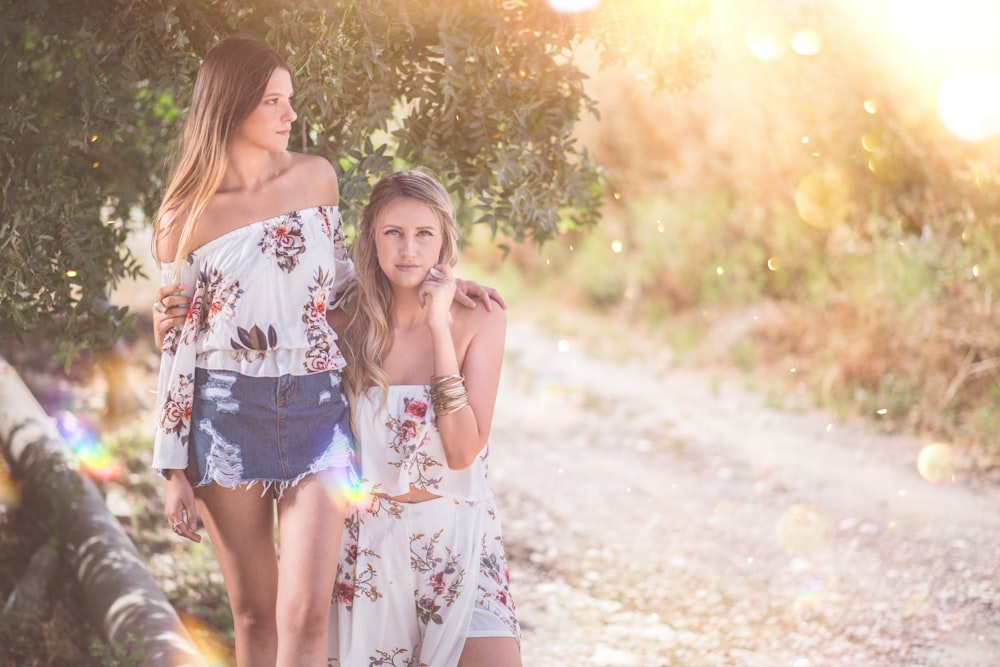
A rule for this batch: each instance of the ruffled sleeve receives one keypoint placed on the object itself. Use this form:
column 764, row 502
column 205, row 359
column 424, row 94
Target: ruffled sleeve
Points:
column 342, row 290
column 175, row 384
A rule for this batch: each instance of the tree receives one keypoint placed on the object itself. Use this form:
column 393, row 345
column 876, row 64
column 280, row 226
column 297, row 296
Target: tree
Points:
column 484, row 92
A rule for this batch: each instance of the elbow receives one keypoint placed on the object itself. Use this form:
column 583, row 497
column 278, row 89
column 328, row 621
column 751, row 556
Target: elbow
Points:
column 465, row 458
column 460, row 462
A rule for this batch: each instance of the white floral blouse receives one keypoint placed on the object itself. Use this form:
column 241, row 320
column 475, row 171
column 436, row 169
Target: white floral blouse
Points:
column 401, row 447
column 259, row 296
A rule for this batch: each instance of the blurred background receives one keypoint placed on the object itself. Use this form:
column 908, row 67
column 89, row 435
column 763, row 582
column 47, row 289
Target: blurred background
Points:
column 817, row 212
column 822, row 209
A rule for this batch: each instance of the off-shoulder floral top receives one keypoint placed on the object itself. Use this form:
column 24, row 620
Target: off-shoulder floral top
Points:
column 259, row 296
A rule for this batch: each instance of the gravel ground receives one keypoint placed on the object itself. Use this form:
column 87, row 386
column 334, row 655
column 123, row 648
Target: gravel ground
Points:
column 656, row 515
column 663, row 516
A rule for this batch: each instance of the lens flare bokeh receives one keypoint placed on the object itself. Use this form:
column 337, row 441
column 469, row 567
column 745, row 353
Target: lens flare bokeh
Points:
column 85, row 443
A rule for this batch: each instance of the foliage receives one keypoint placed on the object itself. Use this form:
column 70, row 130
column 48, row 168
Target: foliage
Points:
column 823, row 193
column 484, row 92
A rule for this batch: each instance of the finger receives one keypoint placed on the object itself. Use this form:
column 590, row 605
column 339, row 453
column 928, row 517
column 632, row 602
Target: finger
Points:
column 186, row 532
column 192, row 519
column 464, row 299
column 495, row 296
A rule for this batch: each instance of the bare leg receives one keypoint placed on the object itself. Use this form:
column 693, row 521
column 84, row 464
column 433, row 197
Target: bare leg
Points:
column 310, row 523
column 240, row 524
column 490, row 652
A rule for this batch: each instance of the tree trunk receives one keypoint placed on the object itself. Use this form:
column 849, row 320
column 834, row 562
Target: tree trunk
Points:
column 120, row 595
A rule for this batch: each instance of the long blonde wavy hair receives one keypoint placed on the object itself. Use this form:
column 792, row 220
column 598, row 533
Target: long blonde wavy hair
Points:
column 230, row 83
column 368, row 333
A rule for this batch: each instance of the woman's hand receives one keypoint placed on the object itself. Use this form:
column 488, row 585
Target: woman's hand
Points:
column 179, row 506
column 468, row 291
column 438, row 291
column 169, row 311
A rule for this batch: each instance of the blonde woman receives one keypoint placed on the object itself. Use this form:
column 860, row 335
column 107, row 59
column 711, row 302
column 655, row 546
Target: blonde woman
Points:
column 252, row 420
column 423, row 576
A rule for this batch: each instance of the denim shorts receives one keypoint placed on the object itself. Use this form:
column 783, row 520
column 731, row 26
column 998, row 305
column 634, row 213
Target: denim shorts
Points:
column 269, row 430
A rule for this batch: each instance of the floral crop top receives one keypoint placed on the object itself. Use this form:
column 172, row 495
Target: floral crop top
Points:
column 401, row 447
column 259, row 296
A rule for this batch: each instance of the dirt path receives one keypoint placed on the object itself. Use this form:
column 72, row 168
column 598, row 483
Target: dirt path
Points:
column 655, row 516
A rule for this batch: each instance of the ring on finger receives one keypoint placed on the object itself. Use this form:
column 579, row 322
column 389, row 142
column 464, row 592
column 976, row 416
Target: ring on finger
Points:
column 159, row 306
column 175, row 526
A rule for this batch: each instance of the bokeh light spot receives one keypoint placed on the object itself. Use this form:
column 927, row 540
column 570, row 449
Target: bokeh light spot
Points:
column 821, row 197
column 772, row 263
column 871, row 106
column 969, row 103
column 936, row 463
column 616, row 246
column 802, row 529
column 766, row 39
column 85, row 443
column 807, row 42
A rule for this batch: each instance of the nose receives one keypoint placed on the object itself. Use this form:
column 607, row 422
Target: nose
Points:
column 290, row 114
column 408, row 247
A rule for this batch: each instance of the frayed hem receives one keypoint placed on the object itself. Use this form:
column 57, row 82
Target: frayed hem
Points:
column 276, row 487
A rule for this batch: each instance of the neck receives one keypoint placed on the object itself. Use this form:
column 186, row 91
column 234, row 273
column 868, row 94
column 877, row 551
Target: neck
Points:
column 249, row 170
column 407, row 313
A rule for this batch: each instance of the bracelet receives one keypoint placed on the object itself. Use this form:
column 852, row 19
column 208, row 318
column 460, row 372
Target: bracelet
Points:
column 448, row 394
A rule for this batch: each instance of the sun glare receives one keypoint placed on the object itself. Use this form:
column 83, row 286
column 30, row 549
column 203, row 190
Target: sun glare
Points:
column 969, row 103
column 573, row 6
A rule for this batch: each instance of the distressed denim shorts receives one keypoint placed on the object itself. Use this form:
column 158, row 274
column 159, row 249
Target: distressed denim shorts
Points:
column 269, row 430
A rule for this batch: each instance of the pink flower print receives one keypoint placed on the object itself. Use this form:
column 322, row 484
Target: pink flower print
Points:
column 408, row 430
column 345, row 592
column 416, row 409
column 437, row 583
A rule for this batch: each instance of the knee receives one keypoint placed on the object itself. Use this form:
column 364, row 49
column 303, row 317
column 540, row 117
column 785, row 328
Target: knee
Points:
column 304, row 619
column 254, row 622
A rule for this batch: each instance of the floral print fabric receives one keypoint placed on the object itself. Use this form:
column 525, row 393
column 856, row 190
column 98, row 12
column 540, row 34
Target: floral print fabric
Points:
column 411, row 576
column 259, row 296
column 401, row 447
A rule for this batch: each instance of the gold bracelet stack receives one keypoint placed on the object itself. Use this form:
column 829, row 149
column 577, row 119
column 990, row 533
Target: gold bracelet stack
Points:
column 448, row 394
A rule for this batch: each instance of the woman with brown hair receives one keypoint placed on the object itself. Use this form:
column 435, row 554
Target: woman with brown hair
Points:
column 252, row 420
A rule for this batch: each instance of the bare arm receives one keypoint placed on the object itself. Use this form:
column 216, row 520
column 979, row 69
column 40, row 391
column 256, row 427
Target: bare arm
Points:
column 465, row 431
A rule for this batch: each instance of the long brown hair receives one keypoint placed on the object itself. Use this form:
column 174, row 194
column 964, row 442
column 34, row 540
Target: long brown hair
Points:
column 368, row 332
column 230, row 84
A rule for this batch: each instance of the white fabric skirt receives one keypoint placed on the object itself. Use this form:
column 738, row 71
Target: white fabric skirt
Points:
column 411, row 578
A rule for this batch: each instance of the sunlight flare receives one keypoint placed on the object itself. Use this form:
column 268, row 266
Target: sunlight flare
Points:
column 969, row 103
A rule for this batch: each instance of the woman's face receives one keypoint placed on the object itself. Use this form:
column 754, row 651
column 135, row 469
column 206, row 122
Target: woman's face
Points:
column 408, row 242
column 268, row 126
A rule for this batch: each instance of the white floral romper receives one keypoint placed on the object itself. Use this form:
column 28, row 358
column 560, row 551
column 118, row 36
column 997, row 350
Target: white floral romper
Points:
column 416, row 579
column 249, row 387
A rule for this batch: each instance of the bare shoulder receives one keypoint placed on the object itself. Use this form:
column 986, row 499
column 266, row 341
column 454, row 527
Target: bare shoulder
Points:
column 478, row 320
column 317, row 174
